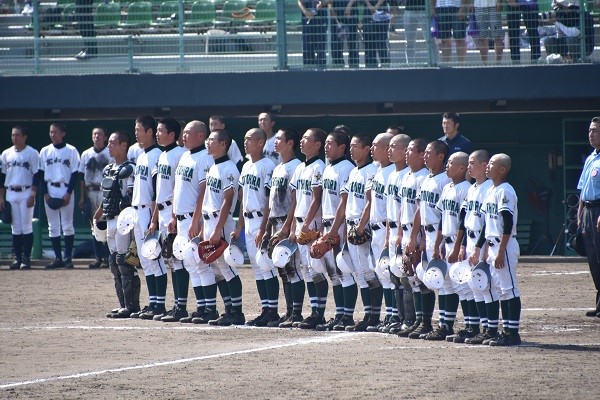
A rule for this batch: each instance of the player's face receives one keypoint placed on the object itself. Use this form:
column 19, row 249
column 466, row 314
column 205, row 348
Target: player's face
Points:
column 432, row 159
column 163, row 136
column 114, row 147
column 17, row 137
column 396, row 152
column 252, row 144
column 56, row 135
column 333, row 151
column 414, row 158
column 358, row 152
column 98, row 138
column 449, row 127
column 213, row 145
column 493, row 169
column 594, row 135
column 215, row 124
column 143, row 137
column 475, row 168
column 308, row 146
column 191, row 138
column 379, row 150
column 265, row 123
column 454, row 170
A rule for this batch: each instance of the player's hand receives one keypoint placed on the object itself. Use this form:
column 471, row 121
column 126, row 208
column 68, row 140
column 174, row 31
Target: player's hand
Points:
column 235, row 234
column 214, row 239
column 453, row 257
column 462, row 254
column 474, row 258
column 410, row 247
column 81, row 203
column 277, row 237
column 1, row 204
column 259, row 238
column 360, row 231
column 66, row 199
column 499, row 261
column 30, row 201
column 304, row 228
column 597, row 225
column 172, row 226
column 436, row 254
column 292, row 237
column 152, row 227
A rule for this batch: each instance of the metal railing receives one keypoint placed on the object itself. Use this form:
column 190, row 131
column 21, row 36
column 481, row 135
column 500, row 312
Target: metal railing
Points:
column 239, row 36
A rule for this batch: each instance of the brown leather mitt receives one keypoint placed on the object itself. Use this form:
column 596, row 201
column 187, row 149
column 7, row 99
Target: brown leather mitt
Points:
column 322, row 245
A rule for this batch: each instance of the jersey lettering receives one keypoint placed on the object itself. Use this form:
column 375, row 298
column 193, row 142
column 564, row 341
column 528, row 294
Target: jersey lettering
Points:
column 57, row 160
column 358, row 188
column 214, row 183
column 304, row 184
column 329, row 184
column 186, row 173
column 451, row 205
column 429, row 197
column 164, row 170
column 142, row 171
column 279, row 182
column 252, row 181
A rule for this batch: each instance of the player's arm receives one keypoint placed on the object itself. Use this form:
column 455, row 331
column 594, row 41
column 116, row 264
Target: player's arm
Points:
column 227, row 205
column 507, row 225
column 196, row 225
column 240, row 222
column 264, row 224
column 35, row 181
column 315, row 204
column 366, row 214
column 474, row 258
column 438, row 242
column 82, row 190
column 98, row 213
column 416, row 228
column 340, row 215
column 73, row 178
column 458, row 251
column 289, row 224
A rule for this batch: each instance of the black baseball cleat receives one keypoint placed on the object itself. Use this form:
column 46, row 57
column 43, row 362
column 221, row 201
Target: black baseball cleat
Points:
column 234, row 318
column 479, row 338
column 26, row 263
column 289, row 323
column 408, row 328
column 170, row 312
column 209, row 314
column 146, row 309
column 328, row 326
column 271, row 317
column 111, row 313
column 311, row 321
column 462, row 335
column 592, row 313
column 196, row 314
column 69, row 263
column 122, row 313
column 253, row 322
column 15, row 264
column 176, row 315
column 421, row 331
column 506, row 339
column 345, row 321
column 95, row 265
column 57, row 263
column 363, row 325
column 440, row 333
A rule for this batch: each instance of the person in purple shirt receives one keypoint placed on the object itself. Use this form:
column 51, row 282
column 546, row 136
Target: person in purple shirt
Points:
column 455, row 141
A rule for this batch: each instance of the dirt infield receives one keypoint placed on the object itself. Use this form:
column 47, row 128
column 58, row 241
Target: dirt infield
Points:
column 56, row 343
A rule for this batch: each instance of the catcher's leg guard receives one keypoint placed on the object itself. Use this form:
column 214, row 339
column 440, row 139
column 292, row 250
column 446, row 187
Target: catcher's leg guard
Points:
column 399, row 295
column 394, row 279
column 130, row 286
column 114, row 269
column 408, row 301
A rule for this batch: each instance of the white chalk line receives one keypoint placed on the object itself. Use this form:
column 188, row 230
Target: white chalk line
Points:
column 299, row 342
column 548, row 273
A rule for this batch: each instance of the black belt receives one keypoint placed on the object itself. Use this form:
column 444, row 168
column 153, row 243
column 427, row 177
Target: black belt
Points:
column 377, row 226
column 56, row 184
column 139, row 207
column 448, row 239
column 494, row 241
column 327, row 223
column 405, row 227
column 300, row 219
column 93, row 187
column 18, row 188
column 275, row 220
column 472, row 234
column 181, row 217
column 251, row 214
column 208, row 216
column 162, row 206
column 392, row 224
column 350, row 222
column 429, row 228
column 592, row 204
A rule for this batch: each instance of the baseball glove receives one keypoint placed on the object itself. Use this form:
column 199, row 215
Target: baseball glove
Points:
column 307, row 237
column 410, row 261
column 131, row 257
column 54, row 203
column 356, row 239
column 209, row 253
column 322, row 245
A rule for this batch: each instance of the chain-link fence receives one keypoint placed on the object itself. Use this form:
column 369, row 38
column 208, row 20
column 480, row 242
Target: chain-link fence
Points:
column 87, row 37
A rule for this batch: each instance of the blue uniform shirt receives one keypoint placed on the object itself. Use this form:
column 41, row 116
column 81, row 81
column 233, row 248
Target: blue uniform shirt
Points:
column 457, row 143
column 589, row 182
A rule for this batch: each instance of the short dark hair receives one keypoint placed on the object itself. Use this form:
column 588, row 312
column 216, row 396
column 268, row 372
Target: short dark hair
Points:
column 420, row 143
column 223, row 136
column 270, row 115
column 341, row 138
column 398, row 128
column 342, row 128
column 217, row 117
column 291, row 134
column 596, row 120
column 319, row 135
column 123, row 137
column 363, row 139
column 59, row 125
column 147, row 121
column 455, row 117
column 172, row 125
column 21, row 128
column 440, row 147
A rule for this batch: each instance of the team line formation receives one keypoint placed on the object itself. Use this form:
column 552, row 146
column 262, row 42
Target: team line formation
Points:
column 392, row 217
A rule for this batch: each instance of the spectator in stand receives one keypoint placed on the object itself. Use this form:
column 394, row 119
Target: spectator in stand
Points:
column 528, row 11
column 314, row 32
column 85, row 19
column 451, row 16
column 345, row 18
column 488, row 15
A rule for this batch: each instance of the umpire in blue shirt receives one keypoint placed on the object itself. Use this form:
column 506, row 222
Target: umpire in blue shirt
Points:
column 588, row 215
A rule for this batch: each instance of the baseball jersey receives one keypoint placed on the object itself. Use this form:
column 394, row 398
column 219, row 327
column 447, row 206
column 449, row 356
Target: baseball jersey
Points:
column 393, row 188
column 222, row 176
column 499, row 198
column 334, row 178
column 165, row 172
column 92, row 164
column 431, row 190
column 19, row 166
column 473, row 203
column 143, row 189
column 126, row 185
column 280, row 197
column 451, row 201
column 190, row 173
column 378, row 212
column 269, row 151
column 589, row 181
column 411, row 185
column 356, row 187
column 234, row 153
column 255, row 180
column 58, row 163
column 307, row 176
column 133, row 152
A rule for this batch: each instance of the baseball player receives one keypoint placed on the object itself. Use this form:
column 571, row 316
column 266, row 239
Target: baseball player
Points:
column 449, row 204
column 357, row 216
column 471, row 220
column 219, row 201
column 306, row 188
column 266, row 122
column 93, row 161
column 134, row 151
column 19, row 181
column 429, row 217
column 411, row 227
column 281, row 201
column 500, row 231
column 255, row 185
column 378, row 224
column 190, row 183
column 59, row 166
column 167, row 134
column 117, row 188
column 144, row 196
column 217, row 122
column 404, row 307
column 335, row 177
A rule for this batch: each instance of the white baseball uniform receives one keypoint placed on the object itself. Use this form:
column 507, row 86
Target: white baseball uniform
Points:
column 393, row 191
column 234, row 153
column 502, row 198
column 165, row 182
column 428, row 196
column 255, row 183
column 133, row 152
column 143, row 197
column 269, row 151
column 58, row 164
column 19, row 167
column 91, row 166
column 356, row 187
